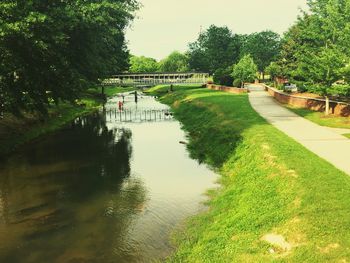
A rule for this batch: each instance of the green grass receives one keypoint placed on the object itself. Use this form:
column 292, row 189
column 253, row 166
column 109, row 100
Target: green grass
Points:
column 164, row 89
column 321, row 119
column 269, row 185
column 110, row 91
column 15, row 132
column 347, row 135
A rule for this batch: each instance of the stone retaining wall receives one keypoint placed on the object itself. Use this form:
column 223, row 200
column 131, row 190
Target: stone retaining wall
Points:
column 227, row 89
column 336, row 107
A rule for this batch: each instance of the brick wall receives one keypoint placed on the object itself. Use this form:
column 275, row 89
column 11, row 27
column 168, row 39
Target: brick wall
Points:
column 336, row 107
column 226, row 89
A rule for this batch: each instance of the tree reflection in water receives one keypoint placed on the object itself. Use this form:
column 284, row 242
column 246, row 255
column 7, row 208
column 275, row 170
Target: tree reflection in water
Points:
column 70, row 197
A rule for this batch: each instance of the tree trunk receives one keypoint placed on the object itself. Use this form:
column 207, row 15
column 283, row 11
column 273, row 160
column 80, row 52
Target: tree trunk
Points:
column 327, row 106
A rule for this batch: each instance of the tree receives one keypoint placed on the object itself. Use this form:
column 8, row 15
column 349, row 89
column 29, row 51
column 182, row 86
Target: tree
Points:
column 320, row 44
column 245, row 70
column 274, row 70
column 264, row 47
column 223, row 76
column 215, row 48
column 290, row 47
column 143, row 64
column 52, row 50
column 175, row 62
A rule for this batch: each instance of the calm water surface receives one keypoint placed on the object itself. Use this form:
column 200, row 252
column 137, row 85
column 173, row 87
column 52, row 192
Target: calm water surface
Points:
column 100, row 190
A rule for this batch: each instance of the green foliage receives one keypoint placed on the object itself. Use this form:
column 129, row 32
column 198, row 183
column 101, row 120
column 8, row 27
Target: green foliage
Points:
column 143, row 65
column 222, row 76
column 274, row 70
column 237, row 83
column 339, row 89
column 175, row 62
column 17, row 131
column 215, row 48
column 316, row 50
column 245, row 70
column 27, row 129
column 218, row 48
column 345, row 71
column 289, row 48
column 264, row 47
column 52, row 50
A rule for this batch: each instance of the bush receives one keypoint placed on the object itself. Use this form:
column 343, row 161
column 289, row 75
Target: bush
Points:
column 339, row 90
column 279, row 86
column 245, row 69
column 222, row 76
column 274, row 70
column 237, row 83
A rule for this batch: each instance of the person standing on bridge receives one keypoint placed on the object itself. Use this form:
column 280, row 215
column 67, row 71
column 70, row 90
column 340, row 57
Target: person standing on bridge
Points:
column 135, row 93
column 120, row 105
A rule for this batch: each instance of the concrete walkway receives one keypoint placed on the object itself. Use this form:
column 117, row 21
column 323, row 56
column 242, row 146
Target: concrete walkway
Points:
column 324, row 142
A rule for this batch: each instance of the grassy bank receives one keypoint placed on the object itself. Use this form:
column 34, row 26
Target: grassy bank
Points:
column 278, row 201
column 321, row 119
column 110, row 91
column 15, row 132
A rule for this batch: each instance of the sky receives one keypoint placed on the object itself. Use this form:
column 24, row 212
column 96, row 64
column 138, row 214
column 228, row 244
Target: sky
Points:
column 162, row 26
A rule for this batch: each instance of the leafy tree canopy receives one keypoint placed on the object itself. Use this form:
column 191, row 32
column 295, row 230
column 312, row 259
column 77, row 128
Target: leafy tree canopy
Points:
column 223, row 76
column 245, row 70
column 317, row 49
column 51, row 50
column 143, row 64
column 175, row 62
column 264, row 47
column 274, row 70
column 215, row 48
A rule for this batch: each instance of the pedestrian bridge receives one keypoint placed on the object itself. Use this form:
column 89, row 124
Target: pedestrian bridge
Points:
column 138, row 115
column 153, row 79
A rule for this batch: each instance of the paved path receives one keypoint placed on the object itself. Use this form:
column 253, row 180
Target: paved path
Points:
column 324, row 142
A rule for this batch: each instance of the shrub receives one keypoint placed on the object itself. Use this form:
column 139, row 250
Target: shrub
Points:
column 222, row 76
column 245, row 70
column 237, row 83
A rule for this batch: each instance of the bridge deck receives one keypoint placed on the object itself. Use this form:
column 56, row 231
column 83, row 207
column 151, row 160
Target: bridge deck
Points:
column 151, row 79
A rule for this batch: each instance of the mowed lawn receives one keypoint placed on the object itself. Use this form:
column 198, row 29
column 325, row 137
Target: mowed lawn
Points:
column 321, row 119
column 278, row 202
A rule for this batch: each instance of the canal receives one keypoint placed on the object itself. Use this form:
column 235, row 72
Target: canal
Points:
column 103, row 189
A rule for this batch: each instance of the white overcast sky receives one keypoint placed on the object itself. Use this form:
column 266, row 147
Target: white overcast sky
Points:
column 163, row 26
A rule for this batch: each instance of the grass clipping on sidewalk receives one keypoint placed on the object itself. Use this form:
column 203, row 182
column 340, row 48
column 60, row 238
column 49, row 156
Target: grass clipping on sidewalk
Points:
column 277, row 201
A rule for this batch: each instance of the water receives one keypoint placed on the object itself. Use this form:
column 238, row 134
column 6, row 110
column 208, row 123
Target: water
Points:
column 100, row 190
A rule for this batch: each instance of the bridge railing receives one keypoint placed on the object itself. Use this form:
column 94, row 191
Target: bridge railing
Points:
column 152, row 79
column 129, row 115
